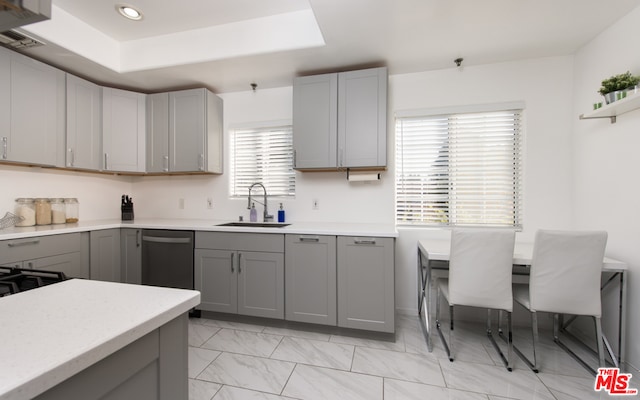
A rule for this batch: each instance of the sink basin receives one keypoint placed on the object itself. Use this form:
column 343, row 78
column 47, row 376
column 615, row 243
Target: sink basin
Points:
column 256, row 224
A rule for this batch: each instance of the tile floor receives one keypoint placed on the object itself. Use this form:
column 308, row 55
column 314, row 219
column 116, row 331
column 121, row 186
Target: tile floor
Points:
column 232, row 360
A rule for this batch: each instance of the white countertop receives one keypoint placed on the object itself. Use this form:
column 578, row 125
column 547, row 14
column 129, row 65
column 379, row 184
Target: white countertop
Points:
column 302, row 228
column 52, row 333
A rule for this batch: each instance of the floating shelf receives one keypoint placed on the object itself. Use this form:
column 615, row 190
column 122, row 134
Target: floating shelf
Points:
column 611, row 111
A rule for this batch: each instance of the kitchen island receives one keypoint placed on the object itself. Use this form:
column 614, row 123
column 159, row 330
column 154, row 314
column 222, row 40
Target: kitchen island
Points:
column 95, row 340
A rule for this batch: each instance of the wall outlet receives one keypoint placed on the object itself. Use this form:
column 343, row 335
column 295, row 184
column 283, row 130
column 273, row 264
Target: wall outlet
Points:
column 181, row 204
column 315, row 204
column 209, row 203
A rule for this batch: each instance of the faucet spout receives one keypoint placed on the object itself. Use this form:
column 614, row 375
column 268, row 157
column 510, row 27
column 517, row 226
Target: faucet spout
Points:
column 266, row 216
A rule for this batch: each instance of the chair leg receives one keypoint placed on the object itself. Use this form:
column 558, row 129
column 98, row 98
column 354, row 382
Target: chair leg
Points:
column 599, row 340
column 438, row 325
column 506, row 360
column 534, row 334
column 509, row 341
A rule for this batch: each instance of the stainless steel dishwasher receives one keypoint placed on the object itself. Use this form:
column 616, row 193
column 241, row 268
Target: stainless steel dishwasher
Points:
column 167, row 258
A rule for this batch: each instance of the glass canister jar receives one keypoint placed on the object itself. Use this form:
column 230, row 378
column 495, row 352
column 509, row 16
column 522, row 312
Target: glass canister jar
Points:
column 43, row 211
column 26, row 208
column 72, row 206
column 58, row 212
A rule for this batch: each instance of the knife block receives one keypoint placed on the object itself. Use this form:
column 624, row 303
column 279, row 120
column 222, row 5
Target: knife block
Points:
column 127, row 212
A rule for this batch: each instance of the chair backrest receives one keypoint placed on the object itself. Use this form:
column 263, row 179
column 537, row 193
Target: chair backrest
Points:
column 566, row 271
column 480, row 268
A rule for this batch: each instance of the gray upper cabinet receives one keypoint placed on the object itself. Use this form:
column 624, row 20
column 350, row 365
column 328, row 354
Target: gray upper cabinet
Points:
column 310, row 279
column 190, row 123
column 105, row 255
column 84, row 124
column 340, row 120
column 366, row 283
column 315, row 121
column 34, row 130
column 123, row 130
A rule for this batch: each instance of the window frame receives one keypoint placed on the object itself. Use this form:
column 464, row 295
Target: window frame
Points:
column 447, row 112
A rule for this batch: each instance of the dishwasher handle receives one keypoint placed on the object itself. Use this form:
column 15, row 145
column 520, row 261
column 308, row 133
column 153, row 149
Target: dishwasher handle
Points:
column 158, row 239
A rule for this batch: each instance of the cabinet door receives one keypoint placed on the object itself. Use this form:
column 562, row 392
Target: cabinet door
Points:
column 131, row 255
column 69, row 263
column 36, row 128
column 216, row 277
column 105, row 255
column 84, row 124
column 366, row 283
column 315, row 122
column 123, row 134
column 261, row 284
column 310, row 279
column 5, row 102
column 187, row 130
column 157, row 132
column 362, row 118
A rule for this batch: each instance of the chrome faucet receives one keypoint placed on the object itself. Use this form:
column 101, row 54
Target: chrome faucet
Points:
column 266, row 216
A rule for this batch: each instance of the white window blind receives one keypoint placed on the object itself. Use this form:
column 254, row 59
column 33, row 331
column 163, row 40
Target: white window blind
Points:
column 459, row 169
column 264, row 155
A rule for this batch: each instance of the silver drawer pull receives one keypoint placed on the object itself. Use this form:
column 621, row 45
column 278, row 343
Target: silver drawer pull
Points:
column 364, row 241
column 165, row 239
column 309, row 239
column 13, row 244
column 232, row 256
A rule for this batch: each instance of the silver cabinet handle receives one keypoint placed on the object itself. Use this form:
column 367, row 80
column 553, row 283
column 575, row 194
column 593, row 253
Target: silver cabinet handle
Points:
column 165, row 163
column 239, row 263
column 30, row 265
column 341, row 157
column 201, row 162
column 232, row 257
column 28, row 242
column 72, row 158
column 106, row 161
column 138, row 232
column 364, row 241
column 165, row 239
column 309, row 239
column 4, row 148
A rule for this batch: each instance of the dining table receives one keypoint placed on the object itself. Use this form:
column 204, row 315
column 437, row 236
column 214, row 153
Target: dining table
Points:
column 433, row 257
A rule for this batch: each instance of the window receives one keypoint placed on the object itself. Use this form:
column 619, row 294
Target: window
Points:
column 263, row 154
column 459, row 169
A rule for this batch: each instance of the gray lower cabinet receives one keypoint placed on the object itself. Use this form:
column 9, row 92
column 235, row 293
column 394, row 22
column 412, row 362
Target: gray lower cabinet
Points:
column 61, row 253
column 366, row 283
column 240, row 273
column 104, row 253
column 310, row 279
column 131, row 255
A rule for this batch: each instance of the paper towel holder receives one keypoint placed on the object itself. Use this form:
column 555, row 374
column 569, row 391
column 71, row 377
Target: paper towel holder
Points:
column 362, row 176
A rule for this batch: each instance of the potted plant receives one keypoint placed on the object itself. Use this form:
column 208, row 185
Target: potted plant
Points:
column 615, row 87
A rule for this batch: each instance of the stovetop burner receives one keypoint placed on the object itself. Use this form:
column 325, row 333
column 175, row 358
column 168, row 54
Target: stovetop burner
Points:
column 14, row 280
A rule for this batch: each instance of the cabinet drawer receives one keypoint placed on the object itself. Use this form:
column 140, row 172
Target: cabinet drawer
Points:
column 267, row 242
column 36, row 247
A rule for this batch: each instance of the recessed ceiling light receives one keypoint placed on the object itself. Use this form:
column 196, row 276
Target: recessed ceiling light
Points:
column 129, row 12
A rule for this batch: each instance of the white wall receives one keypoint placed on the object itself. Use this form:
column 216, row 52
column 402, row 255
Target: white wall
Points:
column 545, row 86
column 606, row 163
column 98, row 195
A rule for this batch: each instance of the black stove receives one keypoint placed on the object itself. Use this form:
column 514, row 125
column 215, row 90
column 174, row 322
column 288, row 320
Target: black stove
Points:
column 15, row 280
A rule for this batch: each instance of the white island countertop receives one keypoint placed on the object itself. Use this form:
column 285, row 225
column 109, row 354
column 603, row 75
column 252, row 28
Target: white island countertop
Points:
column 52, row 333
column 300, row 228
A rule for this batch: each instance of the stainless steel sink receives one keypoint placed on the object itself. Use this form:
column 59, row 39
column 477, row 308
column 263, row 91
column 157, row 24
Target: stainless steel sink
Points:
column 255, row 224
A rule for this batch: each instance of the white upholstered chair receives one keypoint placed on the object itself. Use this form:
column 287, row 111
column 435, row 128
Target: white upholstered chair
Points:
column 565, row 277
column 480, row 271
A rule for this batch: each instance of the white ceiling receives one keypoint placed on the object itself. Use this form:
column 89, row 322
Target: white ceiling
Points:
column 226, row 45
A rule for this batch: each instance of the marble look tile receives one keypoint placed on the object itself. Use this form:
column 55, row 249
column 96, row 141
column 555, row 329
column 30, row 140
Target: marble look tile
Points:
column 315, row 383
column 400, row 390
column 199, row 333
column 202, row 390
column 248, row 372
column 497, row 381
column 243, row 342
column 297, row 333
column 398, row 345
column 239, row 326
column 234, row 393
column 314, row 352
column 570, row 388
column 403, row 366
column 199, row 359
